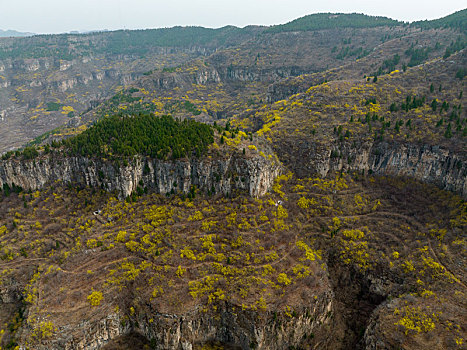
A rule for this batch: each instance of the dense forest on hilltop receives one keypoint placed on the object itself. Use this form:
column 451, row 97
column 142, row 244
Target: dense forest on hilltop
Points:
column 158, row 137
column 142, row 41
column 130, row 42
column 457, row 20
column 320, row 21
column 333, row 20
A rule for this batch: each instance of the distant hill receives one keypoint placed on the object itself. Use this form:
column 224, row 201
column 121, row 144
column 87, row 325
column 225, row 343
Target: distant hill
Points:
column 95, row 66
column 13, row 33
column 321, row 21
column 457, row 20
column 130, row 42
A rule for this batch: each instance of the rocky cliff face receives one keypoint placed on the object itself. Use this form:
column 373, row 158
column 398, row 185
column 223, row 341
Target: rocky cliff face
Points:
column 254, row 175
column 94, row 335
column 164, row 81
column 431, row 164
column 282, row 89
column 247, row 329
column 217, row 72
column 246, row 74
column 229, row 325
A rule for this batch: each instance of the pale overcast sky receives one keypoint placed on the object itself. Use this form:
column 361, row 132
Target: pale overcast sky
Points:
column 57, row 16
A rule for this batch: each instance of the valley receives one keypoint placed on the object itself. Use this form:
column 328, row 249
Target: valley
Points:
column 299, row 186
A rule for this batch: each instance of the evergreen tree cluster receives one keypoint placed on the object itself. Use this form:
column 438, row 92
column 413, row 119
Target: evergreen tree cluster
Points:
column 455, row 46
column 412, row 102
column 158, row 137
column 461, row 73
column 390, row 64
column 417, row 55
column 352, row 52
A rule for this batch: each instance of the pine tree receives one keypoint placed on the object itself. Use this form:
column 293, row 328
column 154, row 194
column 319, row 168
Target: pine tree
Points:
column 448, row 133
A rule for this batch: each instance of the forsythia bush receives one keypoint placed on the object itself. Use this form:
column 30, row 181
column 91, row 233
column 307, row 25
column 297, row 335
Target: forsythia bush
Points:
column 95, row 298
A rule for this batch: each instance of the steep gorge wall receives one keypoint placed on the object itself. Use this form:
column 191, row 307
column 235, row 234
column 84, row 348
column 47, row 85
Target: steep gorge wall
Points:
column 246, row 329
column 216, row 73
column 426, row 163
column 254, row 175
column 229, row 325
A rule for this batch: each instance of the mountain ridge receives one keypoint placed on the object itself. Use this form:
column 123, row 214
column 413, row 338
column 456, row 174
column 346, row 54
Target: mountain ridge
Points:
column 14, row 33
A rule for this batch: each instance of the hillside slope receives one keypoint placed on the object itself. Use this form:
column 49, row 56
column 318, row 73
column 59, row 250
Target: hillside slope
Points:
column 50, row 81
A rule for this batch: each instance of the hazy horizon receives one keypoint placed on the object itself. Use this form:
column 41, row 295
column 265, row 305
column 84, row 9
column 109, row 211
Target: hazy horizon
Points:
column 54, row 16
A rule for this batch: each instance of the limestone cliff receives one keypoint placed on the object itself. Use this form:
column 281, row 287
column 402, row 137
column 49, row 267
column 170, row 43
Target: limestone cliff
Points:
column 426, row 163
column 246, row 329
column 254, row 175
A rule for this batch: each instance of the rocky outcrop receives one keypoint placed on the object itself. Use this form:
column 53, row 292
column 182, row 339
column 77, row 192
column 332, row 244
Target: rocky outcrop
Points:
column 292, row 85
column 426, row 163
column 373, row 338
column 430, row 164
column 93, row 335
column 246, row 74
column 254, row 175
